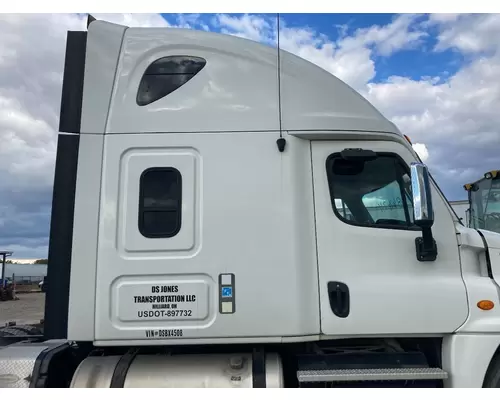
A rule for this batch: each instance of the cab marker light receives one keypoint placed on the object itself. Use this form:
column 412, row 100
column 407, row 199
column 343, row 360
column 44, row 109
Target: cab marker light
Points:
column 485, row 305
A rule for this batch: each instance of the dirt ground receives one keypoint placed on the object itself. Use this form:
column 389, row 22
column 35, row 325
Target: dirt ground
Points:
column 27, row 310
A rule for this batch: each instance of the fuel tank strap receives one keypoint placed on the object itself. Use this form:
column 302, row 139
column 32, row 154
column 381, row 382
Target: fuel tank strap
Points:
column 259, row 368
column 121, row 369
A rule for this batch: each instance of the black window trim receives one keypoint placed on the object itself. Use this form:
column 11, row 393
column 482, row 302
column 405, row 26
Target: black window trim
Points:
column 142, row 209
column 403, row 165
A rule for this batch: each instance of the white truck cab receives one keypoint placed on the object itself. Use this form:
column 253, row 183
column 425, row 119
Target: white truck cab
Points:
column 229, row 214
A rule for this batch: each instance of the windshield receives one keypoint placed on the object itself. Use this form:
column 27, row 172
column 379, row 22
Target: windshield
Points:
column 485, row 205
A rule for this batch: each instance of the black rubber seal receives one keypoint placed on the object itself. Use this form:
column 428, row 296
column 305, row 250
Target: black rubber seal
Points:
column 259, row 368
column 121, row 369
column 70, row 113
column 487, row 255
column 61, row 238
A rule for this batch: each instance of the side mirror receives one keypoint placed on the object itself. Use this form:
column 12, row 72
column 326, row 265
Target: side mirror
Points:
column 423, row 212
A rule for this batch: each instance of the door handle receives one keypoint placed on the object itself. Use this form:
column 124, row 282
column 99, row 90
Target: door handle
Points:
column 338, row 294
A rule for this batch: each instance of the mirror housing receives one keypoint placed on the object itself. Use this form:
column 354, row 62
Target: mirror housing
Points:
column 423, row 212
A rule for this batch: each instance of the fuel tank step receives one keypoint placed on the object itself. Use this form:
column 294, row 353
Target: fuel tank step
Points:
column 371, row 374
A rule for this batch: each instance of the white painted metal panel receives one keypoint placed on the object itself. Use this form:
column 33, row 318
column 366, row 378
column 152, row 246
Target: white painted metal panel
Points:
column 247, row 211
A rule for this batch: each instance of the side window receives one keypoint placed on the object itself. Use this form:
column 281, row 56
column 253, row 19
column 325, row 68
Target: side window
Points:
column 165, row 75
column 160, row 202
column 374, row 193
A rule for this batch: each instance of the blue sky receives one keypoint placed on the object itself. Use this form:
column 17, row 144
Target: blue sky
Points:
column 435, row 76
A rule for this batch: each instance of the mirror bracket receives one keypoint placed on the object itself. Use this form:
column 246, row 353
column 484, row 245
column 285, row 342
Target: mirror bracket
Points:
column 426, row 246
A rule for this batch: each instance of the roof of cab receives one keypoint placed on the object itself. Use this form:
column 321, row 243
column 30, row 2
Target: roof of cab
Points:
column 237, row 90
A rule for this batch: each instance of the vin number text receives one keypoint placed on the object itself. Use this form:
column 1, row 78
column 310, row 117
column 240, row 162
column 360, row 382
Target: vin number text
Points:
column 164, row 333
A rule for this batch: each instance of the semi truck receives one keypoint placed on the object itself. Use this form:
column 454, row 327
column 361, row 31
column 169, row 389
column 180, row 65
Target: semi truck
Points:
column 213, row 225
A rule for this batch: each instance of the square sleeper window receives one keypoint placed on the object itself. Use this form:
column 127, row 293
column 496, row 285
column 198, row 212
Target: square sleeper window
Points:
column 160, row 202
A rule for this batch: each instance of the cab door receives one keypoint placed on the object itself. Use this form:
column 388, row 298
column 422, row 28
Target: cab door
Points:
column 369, row 277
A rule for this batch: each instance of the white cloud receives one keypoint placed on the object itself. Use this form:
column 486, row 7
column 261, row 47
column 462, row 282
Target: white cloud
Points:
column 396, row 36
column 443, row 17
column 458, row 120
column 421, row 150
column 247, row 26
column 468, row 33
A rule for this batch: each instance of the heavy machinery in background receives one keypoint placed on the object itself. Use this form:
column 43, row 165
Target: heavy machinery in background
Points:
column 484, row 202
column 227, row 214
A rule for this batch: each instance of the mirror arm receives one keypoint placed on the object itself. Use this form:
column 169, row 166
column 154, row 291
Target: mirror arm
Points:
column 426, row 246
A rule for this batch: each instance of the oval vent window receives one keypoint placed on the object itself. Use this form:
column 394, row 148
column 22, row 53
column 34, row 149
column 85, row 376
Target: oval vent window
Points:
column 166, row 75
